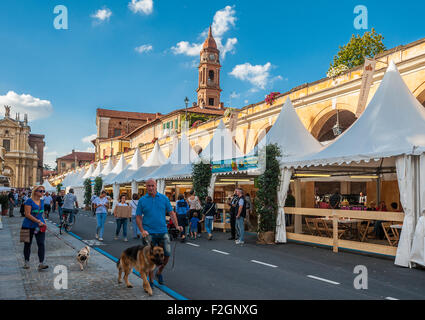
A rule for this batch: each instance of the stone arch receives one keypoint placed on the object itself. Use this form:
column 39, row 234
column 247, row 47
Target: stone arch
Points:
column 322, row 130
column 260, row 135
column 419, row 93
column 10, row 174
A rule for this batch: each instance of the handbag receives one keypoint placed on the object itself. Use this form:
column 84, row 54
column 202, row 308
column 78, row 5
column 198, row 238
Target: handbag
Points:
column 24, row 235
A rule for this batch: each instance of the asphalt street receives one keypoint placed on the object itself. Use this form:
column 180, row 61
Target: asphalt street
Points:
column 220, row 269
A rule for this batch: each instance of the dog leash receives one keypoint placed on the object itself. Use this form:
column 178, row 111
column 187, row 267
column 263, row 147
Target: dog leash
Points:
column 57, row 236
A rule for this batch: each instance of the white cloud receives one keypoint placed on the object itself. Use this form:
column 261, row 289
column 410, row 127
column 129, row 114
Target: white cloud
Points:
column 234, row 95
column 258, row 75
column 223, row 20
column 89, row 138
column 145, row 6
column 25, row 103
column 102, row 14
column 144, row 48
column 184, row 47
column 50, row 157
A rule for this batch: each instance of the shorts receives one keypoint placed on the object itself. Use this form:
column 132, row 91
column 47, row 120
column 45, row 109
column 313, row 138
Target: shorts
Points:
column 182, row 220
column 161, row 239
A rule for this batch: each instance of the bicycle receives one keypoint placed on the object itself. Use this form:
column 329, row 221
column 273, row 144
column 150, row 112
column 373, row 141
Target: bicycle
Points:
column 64, row 223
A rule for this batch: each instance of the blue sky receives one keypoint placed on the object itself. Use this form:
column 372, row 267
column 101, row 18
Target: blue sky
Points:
column 60, row 77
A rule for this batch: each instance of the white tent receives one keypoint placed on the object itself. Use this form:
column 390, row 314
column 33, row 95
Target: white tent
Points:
column 135, row 163
column 89, row 172
column 221, row 146
column 48, row 187
column 77, row 180
column 153, row 162
column 108, row 168
column 68, row 178
column 182, row 156
column 392, row 128
column 98, row 170
column 119, row 167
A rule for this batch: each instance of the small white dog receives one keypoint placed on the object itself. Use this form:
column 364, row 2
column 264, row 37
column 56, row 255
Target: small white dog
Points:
column 83, row 257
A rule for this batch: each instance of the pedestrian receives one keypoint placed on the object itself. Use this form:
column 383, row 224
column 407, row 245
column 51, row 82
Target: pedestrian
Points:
column 16, row 197
column 194, row 206
column 151, row 211
column 34, row 221
column 290, row 202
column 209, row 212
column 240, row 216
column 22, row 208
column 69, row 205
column 47, row 204
column 59, row 202
column 232, row 202
column 101, row 206
column 248, row 211
column 194, row 222
column 335, row 200
column 182, row 210
column 93, row 210
column 11, row 199
column 133, row 205
column 121, row 221
column 54, row 196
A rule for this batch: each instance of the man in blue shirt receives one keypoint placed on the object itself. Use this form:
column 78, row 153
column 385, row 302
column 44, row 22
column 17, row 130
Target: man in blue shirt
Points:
column 150, row 217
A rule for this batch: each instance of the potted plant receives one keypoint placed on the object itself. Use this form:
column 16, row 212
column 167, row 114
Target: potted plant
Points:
column 87, row 193
column 266, row 198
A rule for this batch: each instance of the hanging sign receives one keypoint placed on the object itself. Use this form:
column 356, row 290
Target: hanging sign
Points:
column 235, row 164
column 367, row 80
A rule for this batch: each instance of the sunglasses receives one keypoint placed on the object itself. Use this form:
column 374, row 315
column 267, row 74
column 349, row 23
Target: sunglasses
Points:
column 42, row 191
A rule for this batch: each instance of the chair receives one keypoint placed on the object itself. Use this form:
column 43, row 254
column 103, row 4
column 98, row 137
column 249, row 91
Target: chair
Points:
column 328, row 224
column 391, row 236
column 313, row 226
column 365, row 230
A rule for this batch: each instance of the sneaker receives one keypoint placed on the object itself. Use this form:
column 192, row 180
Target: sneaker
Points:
column 209, row 236
column 241, row 242
column 97, row 236
column 26, row 265
column 115, row 238
column 125, row 240
column 42, row 266
column 100, row 239
column 159, row 278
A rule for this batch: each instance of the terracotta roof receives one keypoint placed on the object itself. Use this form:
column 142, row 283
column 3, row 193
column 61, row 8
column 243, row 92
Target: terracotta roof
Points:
column 49, row 173
column 210, row 42
column 81, row 156
column 125, row 114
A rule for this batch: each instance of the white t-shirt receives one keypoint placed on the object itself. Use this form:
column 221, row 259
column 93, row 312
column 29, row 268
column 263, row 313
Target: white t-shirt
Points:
column 103, row 201
column 133, row 205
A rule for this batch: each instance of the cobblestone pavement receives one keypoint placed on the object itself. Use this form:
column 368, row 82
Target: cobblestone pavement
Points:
column 97, row 282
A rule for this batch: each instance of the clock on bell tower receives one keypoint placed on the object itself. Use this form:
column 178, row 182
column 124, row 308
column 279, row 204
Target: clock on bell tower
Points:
column 209, row 74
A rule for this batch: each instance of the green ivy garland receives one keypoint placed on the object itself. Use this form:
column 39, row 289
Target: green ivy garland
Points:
column 87, row 193
column 201, row 177
column 268, row 183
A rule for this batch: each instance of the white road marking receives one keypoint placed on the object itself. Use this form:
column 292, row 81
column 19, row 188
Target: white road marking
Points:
column 222, row 252
column 265, row 264
column 321, row 279
column 391, row 298
column 192, row 244
column 110, row 222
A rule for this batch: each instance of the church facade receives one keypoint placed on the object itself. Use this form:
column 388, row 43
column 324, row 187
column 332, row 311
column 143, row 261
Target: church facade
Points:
column 21, row 161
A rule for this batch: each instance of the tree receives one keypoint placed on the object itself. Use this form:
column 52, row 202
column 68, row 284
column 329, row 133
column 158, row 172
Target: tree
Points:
column 87, row 193
column 98, row 185
column 355, row 51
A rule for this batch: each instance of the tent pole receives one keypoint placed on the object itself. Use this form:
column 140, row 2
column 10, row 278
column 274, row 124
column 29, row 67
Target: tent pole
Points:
column 298, row 226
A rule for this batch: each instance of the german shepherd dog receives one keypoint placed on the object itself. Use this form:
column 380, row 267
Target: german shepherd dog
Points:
column 144, row 258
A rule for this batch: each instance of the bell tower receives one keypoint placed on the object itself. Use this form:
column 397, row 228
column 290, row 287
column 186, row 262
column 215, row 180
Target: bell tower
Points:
column 209, row 74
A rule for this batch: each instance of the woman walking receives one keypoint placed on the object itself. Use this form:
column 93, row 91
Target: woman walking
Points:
column 101, row 205
column 209, row 213
column 34, row 222
column 121, row 221
column 182, row 209
column 195, row 206
column 133, row 205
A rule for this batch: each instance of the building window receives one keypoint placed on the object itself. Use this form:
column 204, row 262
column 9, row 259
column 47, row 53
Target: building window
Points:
column 211, row 101
column 63, row 165
column 211, row 75
column 176, row 123
column 171, row 124
column 117, row 132
column 6, row 145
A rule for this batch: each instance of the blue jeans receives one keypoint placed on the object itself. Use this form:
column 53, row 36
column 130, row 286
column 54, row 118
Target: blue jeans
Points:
column 60, row 212
column 209, row 224
column 101, row 219
column 136, row 231
column 240, row 228
column 70, row 212
column 121, row 222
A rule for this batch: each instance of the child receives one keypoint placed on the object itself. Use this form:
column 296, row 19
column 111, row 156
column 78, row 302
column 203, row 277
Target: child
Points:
column 182, row 208
column 194, row 225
